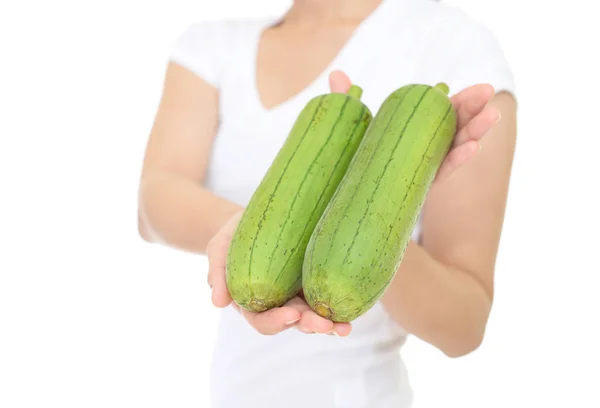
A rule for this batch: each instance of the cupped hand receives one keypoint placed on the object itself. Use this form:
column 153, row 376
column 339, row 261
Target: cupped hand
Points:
column 475, row 118
column 295, row 313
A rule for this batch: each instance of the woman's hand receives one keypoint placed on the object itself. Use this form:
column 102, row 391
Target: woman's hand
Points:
column 475, row 120
column 295, row 313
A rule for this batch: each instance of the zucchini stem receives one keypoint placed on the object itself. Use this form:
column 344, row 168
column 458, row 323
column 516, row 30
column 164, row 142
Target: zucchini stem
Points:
column 355, row 91
column 443, row 87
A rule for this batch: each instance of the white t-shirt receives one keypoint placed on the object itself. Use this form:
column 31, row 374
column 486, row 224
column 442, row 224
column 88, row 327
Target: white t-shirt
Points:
column 401, row 42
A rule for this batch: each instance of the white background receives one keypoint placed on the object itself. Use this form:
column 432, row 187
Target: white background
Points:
column 90, row 316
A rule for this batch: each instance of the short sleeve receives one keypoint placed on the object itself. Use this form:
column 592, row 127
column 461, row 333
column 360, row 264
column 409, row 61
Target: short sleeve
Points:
column 197, row 49
column 480, row 59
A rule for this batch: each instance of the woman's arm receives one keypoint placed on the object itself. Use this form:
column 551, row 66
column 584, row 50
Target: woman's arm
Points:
column 174, row 208
column 443, row 290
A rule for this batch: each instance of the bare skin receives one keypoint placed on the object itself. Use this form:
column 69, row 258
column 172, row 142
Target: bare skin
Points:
column 443, row 290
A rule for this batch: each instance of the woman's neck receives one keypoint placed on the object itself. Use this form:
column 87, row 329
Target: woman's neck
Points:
column 322, row 11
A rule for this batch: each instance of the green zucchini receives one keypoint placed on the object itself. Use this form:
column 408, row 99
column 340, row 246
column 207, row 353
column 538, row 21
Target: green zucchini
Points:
column 265, row 257
column 360, row 240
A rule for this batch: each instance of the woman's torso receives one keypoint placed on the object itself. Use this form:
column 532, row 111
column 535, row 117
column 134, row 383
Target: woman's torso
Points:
column 403, row 41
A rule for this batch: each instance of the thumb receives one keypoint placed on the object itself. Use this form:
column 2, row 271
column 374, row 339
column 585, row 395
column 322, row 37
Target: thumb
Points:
column 339, row 82
column 217, row 262
column 217, row 250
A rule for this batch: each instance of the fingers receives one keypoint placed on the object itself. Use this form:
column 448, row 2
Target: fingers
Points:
column 470, row 102
column 457, row 157
column 217, row 261
column 339, row 82
column 478, row 91
column 273, row 321
column 342, row 329
column 295, row 313
column 478, row 126
column 312, row 323
column 475, row 119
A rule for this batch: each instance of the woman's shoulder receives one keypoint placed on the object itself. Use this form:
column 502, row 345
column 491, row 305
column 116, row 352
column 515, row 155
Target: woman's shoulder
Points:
column 446, row 20
column 209, row 47
column 222, row 32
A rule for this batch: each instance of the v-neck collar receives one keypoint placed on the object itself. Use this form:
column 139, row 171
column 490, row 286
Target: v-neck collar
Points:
column 358, row 48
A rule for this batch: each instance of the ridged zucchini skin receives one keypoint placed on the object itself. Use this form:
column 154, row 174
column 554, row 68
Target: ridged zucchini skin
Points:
column 265, row 257
column 360, row 240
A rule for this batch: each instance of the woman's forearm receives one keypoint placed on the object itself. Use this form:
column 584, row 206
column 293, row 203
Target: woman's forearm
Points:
column 180, row 213
column 440, row 304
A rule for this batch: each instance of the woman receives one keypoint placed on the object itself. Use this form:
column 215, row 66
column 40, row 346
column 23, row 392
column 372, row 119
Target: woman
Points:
column 232, row 92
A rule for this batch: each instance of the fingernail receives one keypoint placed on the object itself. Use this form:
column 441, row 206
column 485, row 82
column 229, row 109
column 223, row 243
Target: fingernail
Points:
column 289, row 323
